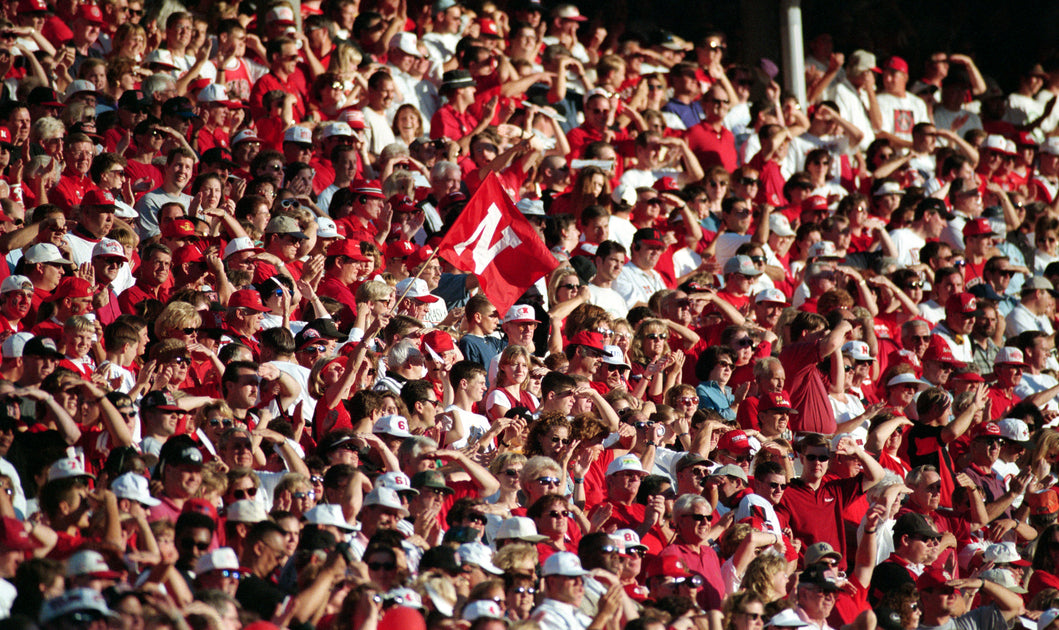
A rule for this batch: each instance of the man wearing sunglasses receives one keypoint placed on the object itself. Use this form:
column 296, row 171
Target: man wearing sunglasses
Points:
column 811, row 507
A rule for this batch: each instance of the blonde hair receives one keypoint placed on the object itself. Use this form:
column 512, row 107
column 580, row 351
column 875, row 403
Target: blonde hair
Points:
column 78, row 323
column 507, row 357
column 514, row 554
column 556, row 278
column 646, row 327
column 46, row 128
column 373, row 290
column 759, row 575
column 175, row 317
column 214, row 479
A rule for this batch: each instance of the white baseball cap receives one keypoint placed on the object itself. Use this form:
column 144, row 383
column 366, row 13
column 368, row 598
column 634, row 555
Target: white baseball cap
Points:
column 219, row 559
column 245, row 511
column 135, row 487
column 66, row 468
column 91, row 563
column 628, row 539
column 395, row 481
column 387, row 498
column 328, row 514
column 483, row 608
column 338, row 128
column 858, row 350
column 326, row 228
column 1047, row 617
column 531, row 207
column 44, row 253
column 416, row 288
column 13, row 345
column 907, row 378
column 770, row 295
column 779, row 225
column 614, row 356
column 109, row 247
column 1004, row 553
column 16, row 283
column 479, row 554
column 521, row 313
column 625, row 462
column 1010, row 429
column 240, row 244
column 74, row 600
column 563, row 563
column 301, row 135
column 519, row 528
column 394, row 425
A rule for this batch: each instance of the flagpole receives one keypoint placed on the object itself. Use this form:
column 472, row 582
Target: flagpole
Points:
column 422, row 268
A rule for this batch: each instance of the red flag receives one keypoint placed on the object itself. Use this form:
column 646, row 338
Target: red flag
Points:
column 492, row 240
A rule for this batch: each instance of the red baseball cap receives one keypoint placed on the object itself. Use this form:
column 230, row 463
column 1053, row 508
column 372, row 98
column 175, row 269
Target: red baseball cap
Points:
column 188, row 253
column 815, row 202
column 962, row 304
column 346, row 247
column 777, row 400
column 420, row 256
column 14, row 537
column 371, row 188
column 587, row 338
column 178, row 228
column 439, row 341
column 98, row 197
column 932, row 577
column 247, row 298
column 33, row 6
column 666, row 184
column 734, row 441
column 90, row 13
column 71, row 287
column 1044, row 502
column 399, row 249
column 978, row 227
column 940, row 351
column 985, row 429
column 669, row 566
column 897, row 64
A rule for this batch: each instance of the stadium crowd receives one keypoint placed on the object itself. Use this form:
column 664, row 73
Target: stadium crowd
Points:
column 789, row 368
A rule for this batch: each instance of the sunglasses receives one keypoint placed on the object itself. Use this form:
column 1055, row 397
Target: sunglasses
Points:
column 230, row 573
column 511, row 472
column 304, row 495
column 571, row 287
column 817, row 458
column 241, row 495
column 657, row 337
column 524, row 590
column 548, row 481
column 475, row 517
column 558, row 440
column 777, row 486
column 753, row 616
column 558, row 514
column 316, row 479
column 698, row 518
column 227, row 423
column 382, row 566
column 189, row 543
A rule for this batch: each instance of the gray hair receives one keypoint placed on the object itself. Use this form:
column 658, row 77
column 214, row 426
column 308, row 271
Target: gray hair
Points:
column 415, row 446
column 155, row 83
column 441, row 168
column 536, row 465
column 402, row 352
column 46, row 128
column 685, row 503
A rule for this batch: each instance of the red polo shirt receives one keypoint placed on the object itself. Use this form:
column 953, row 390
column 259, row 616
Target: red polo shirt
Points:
column 816, row 515
column 713, row 147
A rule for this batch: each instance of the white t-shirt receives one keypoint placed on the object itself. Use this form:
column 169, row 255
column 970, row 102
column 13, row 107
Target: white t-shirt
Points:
column 380, row 134
column 636, row 285
column 901, row 113
column 609, row 300
column 907, row 243
column 475, row 425
column 961, row 121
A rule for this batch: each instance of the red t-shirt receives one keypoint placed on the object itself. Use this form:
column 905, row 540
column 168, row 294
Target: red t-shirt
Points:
column 806, row 386
column 712, row 147
column 816, row 516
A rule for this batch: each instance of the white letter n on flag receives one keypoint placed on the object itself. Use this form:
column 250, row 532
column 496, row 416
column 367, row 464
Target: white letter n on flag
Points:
column 483, row 253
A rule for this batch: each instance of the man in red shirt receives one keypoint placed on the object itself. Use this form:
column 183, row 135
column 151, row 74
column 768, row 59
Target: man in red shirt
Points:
column 283, row 75
column 243, row 320
column 599, row 116
column 75, row 180
column 16, row 298
column 153, row 278
column 810, row 343
column 711, row 142
column 453, row 120
column 813, row 508
column 369, row 218
column 623, row 478
column 44, row 265
column 691, row 519
column 341, row 271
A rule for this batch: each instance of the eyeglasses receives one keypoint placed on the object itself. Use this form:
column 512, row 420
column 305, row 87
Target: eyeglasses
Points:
column 817, row 458
column 382, row 566
column 476, row 517
column 752, row 616
column 749, row 181
column 227, row 423
column 548, row 481
column 716, row 46
column 689, row 401
column 743, row 342
column 180, row 360
column 616, row 368
column 230, row 573
column 725, row 364
column 698, row 518
column 189, row 543
column 848, row 368
column 776, row 485
column 524, row 590
column 913, row 285
column 316, row 479
column 930, row 541
column 511, row 472
column 241, row 495
column 694, row 581
column 571, row 287
column 304, row 495
column 657, row 337
column 558, row 514
column 558, row 440
column 718, row 184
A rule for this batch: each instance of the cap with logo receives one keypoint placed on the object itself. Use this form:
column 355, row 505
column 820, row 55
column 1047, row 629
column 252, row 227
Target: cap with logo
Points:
column 416, row 289
column 563, row 563
column 730, row 470
column 394, row 425
column 135, row 487
column 742, row 265
column 298, row 135
column 521, row 313
column 734, row 441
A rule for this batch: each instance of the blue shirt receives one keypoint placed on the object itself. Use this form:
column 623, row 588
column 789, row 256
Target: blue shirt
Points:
column 714, row 397
column 481, row 350
column 691, row 114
